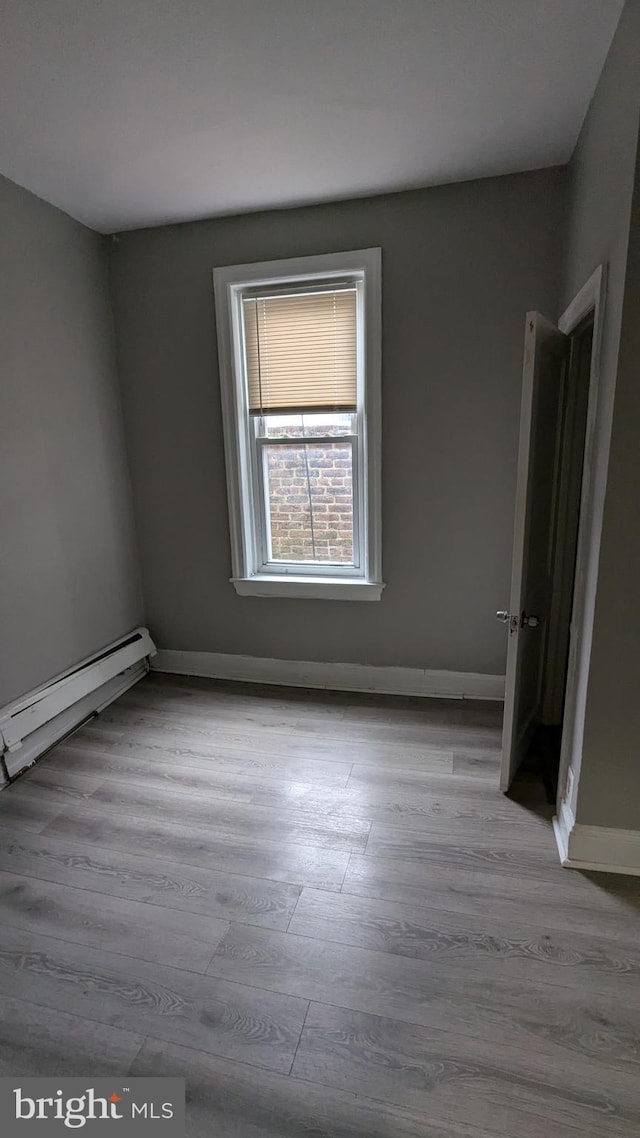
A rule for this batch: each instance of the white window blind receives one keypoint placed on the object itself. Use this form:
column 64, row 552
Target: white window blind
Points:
column 301, row 351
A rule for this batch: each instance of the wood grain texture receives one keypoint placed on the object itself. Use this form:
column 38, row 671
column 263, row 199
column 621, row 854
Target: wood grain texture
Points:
column 132, row 928
column 407, row 836
column 529, row 1016
column 504, row 853
column 368, row 741
column 32, row 810
column 35, row 1040
column 397, row 779
column 575, row 902
column 232, row 1100
column 187, row 872
column 483, row 946
column 258, row 704
column 447, row 1077
column 85, row 758
column 314, row 708
column 191, row 889
column 479, row 763
column 299, row 742
column 421, row 807
column 151, row 999
column 192, row 845
column 57, row 793
column 238, row 819
column 221, row 759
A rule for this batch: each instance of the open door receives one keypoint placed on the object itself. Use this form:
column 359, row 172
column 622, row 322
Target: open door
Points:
column 545, row 351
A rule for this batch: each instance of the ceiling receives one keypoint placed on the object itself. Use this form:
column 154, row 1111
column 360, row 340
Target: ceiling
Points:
column 130, row 113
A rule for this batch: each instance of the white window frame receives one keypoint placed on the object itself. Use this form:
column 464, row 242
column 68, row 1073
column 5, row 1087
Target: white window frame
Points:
column 362, row 581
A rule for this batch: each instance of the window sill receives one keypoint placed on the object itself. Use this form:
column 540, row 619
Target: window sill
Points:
column 310, row 588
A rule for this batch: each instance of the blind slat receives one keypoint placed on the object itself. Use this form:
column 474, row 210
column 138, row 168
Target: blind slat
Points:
column 301, row 351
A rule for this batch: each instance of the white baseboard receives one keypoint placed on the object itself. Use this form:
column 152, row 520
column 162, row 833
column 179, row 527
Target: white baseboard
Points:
column 596, row 847
column 340, row 677
column 563, row 824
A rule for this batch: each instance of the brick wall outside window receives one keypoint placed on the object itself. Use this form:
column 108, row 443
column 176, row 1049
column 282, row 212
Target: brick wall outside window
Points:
column 322, row 492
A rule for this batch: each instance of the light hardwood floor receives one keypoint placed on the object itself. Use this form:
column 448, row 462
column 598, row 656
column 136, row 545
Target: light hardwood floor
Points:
column 320, row 911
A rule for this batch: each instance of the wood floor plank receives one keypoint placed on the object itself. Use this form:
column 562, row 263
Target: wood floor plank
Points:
column 423, row 809
column 422, row 712
column 526, row 1016
column 35, row 1040
column 446, row 1077
column 366, row 707
column 231, row 702
column 483, row 945
column 411, row 836
column 299, row 741
column 190, row 889
column 33, row 810
column 157, row 775
column 396, row 779
column 209, row 698
column 247, row 760
column 327, row 733
column 132, row 928
column 421, row 804
column 479, row 764
column 574, row 902
column 424, row 737
column 205, row 719
column 245, row 700
column 502, row 853
column 22, row 810
column 199, row 846
column 232, row 1100
column 182, row 1007
column 350, row 712
column 238, row 819
column 309, row 696
column 73, row 788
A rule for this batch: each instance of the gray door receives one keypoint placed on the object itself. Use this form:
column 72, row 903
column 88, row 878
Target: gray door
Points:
column 545, row 352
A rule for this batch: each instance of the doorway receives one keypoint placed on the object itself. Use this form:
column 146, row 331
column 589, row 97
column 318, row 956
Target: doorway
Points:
column 568, row 479
column 550, row 616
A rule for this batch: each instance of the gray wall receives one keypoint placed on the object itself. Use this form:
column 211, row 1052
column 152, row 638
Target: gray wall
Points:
column 68, row 574
column 609, row 789
column 601, row 182
column 461, row 265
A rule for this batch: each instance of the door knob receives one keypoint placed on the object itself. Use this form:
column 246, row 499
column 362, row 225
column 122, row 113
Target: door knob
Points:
column 507, row 618
column 503, row 616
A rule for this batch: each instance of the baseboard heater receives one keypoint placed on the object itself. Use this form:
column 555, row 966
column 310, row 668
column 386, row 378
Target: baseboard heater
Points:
column 35, row 722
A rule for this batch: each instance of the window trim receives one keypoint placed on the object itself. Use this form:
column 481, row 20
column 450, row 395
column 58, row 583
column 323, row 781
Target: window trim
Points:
column 248, row 578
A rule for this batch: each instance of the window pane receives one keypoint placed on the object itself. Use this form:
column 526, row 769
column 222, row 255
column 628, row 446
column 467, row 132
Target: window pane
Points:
column 307, row 425
column 310, row 502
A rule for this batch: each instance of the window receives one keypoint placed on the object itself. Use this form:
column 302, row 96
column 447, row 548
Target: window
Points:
column 299, row 349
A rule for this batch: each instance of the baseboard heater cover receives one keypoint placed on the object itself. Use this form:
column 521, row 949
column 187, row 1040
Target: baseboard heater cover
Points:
column 33, row 723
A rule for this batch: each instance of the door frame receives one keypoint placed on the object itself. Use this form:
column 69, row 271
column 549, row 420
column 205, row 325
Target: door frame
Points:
column 569, row 465
column 590, row 299
column 542, row 340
